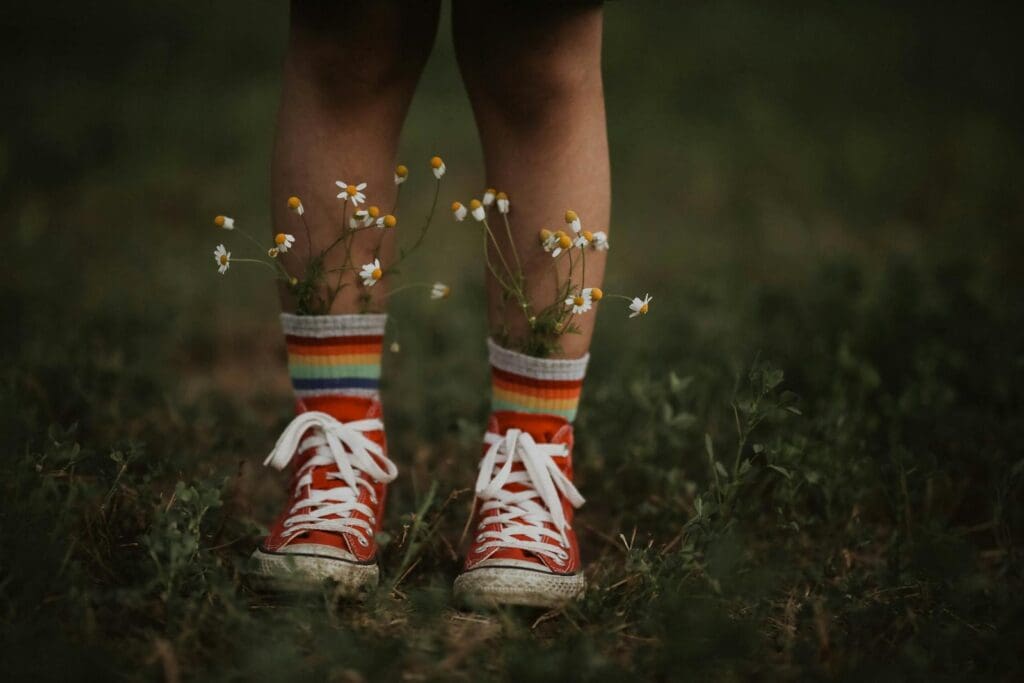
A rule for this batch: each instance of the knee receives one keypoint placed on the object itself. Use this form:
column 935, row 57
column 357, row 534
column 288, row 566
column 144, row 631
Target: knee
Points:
column 360, row 49
column 528, row 82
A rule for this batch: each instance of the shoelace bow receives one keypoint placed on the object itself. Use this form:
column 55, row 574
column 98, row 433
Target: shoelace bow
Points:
column 345, row 445
column 518, row 513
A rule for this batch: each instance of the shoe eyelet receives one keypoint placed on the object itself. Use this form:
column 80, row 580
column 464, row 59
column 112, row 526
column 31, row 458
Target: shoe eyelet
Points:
column 480, row 538
column 363, row 542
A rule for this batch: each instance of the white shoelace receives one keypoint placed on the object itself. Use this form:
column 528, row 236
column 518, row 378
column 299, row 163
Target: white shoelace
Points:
column 520, row 513
column 346, row 445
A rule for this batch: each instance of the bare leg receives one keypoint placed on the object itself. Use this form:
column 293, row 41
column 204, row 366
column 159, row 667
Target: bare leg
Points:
column 349, row 77
column 533, row 73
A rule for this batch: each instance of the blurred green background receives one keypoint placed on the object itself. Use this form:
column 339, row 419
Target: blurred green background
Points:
column 834, row 187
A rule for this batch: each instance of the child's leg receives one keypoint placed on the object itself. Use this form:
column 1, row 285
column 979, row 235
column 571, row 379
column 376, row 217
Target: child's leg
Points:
column 349, row 76
column 533, row 72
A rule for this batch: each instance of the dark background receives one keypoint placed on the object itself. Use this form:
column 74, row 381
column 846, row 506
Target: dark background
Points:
column 821, row 192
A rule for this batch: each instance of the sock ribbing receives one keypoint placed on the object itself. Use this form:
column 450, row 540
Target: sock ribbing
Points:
column 526, row 384
column 334, row 354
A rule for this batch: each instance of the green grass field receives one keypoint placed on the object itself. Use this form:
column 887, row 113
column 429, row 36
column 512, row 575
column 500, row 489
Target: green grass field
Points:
column 806, row 462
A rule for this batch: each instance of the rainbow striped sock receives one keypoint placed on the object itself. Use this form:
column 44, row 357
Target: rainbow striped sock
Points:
column 535, row 385
column 334, row 354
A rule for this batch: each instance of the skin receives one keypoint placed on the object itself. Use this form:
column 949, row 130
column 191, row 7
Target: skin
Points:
column 349, row 77
column 533, row 74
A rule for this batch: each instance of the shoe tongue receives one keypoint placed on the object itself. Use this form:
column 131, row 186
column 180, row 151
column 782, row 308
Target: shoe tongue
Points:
column 541, row 427
column 342, row 408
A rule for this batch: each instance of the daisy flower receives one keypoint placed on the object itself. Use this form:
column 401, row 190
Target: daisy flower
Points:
column 459, row 211
column 224, row 222
column 489, row 195
column 401, row 174
column 223, row 258
column 595, row 293
column 295, row 204
column 547, row 239
column 477, row 209
column 358, row 219
column 437, row 165
column 600, row 240
column 353, row 192
column 574, row 220
column 502, row 200
column 581, row 241
column 639, row 306
column 562, row 242
column 284, row 241
column 371, row 272
column 580, row 303
column 440, row 291
column 387, row 221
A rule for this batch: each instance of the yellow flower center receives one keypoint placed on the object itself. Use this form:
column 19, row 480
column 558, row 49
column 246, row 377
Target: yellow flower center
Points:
column 578, row 301
column 643, row 310
column 436, row 162
column 401, row 171
column 294, row 281
column 475, row 204
column 376, row 273
column 293, row 202
column 545, row 235
column 564, row 242
column 456, row 206
column 490, row 190
column 280, row 239
column 502, row 195
column 570, row 216
column 596, row 294
column 588, row 236
column 223, row 259
column 351, row 190
column 373, row 211
column 219, row 221
column 390, row 221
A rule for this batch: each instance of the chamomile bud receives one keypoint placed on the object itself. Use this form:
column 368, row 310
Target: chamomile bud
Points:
column 489, row 195
column 477, row 209
column 389, row 221
column 438, row 167
column 574, row 220
column 401, row 174
column 502, row 201
column 224, row 222
column 596, row 294
column 374, row 211
column 295, row 204
column 459, row 211
column 273, row 252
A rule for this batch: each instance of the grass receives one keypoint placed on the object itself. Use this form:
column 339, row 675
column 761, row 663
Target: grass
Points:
column 804, row 463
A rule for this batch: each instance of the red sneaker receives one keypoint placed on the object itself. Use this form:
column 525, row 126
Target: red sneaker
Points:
column 525, row 550
column 326, row 532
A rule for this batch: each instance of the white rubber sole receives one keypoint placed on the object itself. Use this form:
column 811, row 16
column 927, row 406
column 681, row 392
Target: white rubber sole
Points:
column 493, row 586
column 303, row 573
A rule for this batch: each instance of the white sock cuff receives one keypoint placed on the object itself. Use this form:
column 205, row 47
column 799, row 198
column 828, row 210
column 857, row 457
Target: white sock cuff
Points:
column 536, row 368
column 346, row 325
